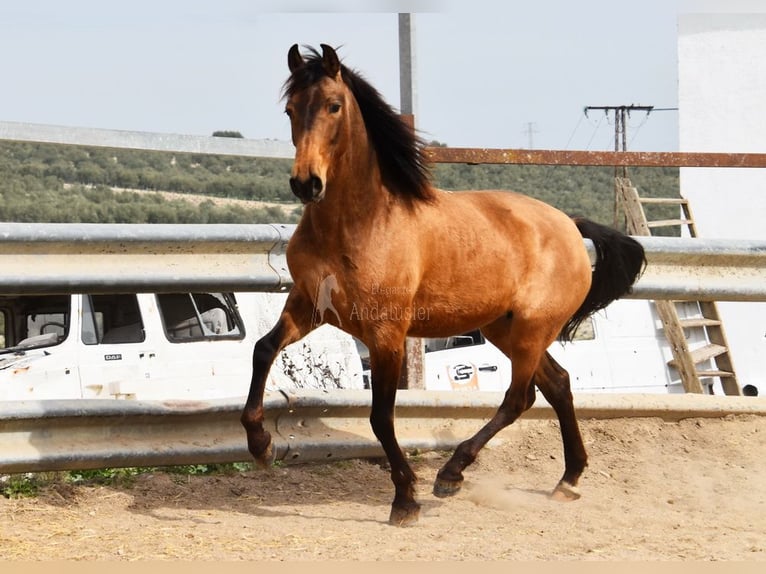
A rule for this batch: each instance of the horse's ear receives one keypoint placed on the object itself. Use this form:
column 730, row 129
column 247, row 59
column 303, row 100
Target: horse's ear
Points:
column 294, row 58
column 330, row 61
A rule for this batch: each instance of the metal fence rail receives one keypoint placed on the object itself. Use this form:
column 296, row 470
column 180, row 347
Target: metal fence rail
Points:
column 305, row 426
column 595, row 158
column 693, row 269
column 67, row 258
column 42, row 133
column 158, row 258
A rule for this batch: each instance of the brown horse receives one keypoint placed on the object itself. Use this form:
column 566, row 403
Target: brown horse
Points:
column 402, row 258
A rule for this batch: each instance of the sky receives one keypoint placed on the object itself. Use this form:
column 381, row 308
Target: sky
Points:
column 488, row 73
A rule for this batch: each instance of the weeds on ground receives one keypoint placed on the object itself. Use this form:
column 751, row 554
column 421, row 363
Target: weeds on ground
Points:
column 29, row 484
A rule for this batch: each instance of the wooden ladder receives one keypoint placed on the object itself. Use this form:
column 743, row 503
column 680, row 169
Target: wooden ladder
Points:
column 684, row 320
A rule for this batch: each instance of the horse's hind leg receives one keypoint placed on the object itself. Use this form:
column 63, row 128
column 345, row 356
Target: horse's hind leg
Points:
column 525, row 350
column 449, row 480
column 294, row 323
column 553, row 382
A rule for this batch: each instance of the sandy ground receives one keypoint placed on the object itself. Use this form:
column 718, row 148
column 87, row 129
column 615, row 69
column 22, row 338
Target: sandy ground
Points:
column 692, row 490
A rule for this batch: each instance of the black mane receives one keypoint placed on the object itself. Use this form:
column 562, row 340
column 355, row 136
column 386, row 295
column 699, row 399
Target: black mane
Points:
column 403, row 164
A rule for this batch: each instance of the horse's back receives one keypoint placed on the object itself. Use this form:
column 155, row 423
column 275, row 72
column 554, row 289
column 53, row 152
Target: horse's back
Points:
column 505, row 207
column 505, row 248
column 512, row 222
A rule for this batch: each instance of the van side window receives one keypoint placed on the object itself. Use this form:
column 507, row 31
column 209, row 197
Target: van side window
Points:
column 196, row 316
column 584, row 332
column 33, row 321
column 465, row 340
column 110, row 319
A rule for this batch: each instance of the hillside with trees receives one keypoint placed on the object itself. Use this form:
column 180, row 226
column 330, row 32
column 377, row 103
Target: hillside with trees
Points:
column 62, row 183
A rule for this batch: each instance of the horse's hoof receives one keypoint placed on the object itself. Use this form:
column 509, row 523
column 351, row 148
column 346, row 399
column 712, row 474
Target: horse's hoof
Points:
column 404, row 516
column 565, row 492
column 444, row 488
column 266, row 458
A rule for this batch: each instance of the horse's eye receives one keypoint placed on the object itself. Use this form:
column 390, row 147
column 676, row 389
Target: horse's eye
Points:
column 289, row 113
column 333, row 108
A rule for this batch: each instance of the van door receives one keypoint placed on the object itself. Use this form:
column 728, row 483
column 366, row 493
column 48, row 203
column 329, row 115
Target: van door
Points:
column 115, row 356
column 203, row 340
column 466, row 362
column 38, row 341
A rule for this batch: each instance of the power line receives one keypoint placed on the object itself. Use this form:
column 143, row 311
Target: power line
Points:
column 569, row 141
column 637, row 128
column 595, row 131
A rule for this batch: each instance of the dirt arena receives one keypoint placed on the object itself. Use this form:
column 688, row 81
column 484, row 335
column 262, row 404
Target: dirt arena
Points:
column 654, row 490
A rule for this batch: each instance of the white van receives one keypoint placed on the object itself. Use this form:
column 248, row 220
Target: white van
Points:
column 157, row 347
column 621, row 349
column 198, row 346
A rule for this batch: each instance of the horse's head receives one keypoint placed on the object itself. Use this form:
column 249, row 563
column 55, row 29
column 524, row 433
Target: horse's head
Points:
column 317, row 105
column 336, row 116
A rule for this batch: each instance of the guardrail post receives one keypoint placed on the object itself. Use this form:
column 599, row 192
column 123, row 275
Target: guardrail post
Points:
column 413, row 374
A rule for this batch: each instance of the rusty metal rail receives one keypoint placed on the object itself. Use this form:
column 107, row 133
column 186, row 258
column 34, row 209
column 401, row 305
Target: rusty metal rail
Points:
column 17, row 131
column 594, row 158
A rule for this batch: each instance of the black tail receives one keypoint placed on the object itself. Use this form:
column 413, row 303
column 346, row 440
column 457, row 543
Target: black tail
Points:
column 620, row 260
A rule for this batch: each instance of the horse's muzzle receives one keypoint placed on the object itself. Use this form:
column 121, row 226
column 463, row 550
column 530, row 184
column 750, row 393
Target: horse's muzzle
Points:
column 307, row 190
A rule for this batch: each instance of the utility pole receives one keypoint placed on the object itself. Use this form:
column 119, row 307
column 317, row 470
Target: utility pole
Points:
column 407, row 89
column 621, row 113
column 530, row 129
column 413, row 364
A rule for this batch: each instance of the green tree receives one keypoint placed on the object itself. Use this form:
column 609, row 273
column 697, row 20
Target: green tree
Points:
column 227, row 134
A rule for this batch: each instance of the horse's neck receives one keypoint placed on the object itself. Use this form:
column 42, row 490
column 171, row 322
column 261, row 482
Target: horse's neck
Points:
column 354, row 200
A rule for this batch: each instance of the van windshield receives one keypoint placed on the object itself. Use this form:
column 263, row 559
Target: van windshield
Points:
column 33, row 321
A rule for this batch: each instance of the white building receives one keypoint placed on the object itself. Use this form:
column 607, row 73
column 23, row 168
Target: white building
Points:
column 722, row 108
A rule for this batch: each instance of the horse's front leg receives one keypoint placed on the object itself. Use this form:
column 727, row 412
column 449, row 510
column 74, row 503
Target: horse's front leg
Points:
column 385, row 366
column 294, row 323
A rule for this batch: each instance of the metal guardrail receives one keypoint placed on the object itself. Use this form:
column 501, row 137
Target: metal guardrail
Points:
column 307, row 426
column 158, row 258
column 65, row 258
column 693, row 269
